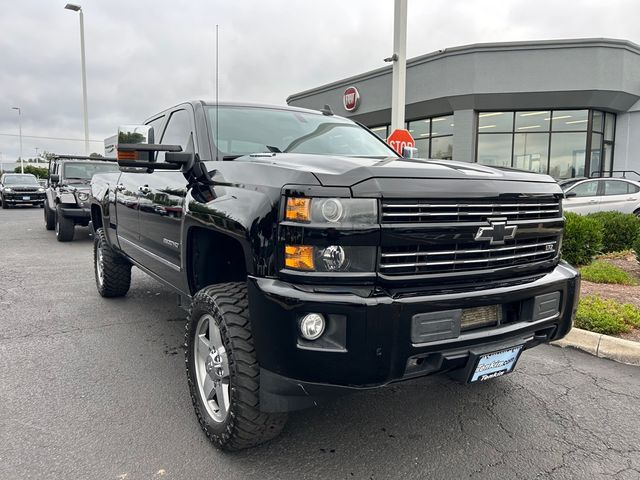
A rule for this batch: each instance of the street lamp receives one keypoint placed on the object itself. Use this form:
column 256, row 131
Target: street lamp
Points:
column 77, row 8
column 20, row 131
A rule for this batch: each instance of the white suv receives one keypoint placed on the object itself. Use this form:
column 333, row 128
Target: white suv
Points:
column 601, row 195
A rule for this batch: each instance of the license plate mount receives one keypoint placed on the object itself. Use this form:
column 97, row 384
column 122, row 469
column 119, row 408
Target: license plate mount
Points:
column 495, row 364
column 26, row 197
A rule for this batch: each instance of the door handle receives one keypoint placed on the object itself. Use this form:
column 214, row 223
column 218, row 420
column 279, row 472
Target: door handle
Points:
column 120, row 187
column 144, row 189
column 592, row 201
column 632, row 199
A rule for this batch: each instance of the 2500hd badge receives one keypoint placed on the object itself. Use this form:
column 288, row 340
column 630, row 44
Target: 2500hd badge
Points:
column 314, row 261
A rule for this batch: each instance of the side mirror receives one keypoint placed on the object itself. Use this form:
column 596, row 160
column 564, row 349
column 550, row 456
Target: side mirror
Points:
column 570, row 195
column 137, row 150
column 54, row 178
column 409, row 152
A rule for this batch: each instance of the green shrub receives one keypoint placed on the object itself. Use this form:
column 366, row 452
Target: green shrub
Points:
column 582, row 239
column 606, row 316
column 636, row 247
column 620, row 230
column 601, row 271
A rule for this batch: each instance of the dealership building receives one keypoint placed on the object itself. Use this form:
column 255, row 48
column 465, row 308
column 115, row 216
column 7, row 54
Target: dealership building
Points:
column 564, row 107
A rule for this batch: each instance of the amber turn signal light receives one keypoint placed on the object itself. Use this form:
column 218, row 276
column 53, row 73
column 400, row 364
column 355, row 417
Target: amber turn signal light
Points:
column 298, row 209
column 299, row 257
column 122, row 155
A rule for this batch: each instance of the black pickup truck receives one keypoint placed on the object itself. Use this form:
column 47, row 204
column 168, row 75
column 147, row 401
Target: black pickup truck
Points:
column 314, row 261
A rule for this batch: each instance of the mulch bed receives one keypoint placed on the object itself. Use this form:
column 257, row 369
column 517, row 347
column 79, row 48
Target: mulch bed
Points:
column 619, row 293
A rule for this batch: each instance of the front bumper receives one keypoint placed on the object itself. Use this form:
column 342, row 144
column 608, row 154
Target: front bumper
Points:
column 79, row 215
column 378, row 348
column 23, row 198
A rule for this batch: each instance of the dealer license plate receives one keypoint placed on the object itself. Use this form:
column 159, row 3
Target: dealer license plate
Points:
column 496, row 364
column 26, row 197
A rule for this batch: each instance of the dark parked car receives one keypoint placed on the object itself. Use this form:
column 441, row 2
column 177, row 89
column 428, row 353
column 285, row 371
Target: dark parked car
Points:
column 20, row 189
column 67, row 193
column 314, row 261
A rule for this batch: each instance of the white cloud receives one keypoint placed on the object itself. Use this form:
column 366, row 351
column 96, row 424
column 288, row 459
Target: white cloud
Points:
column 143, row 56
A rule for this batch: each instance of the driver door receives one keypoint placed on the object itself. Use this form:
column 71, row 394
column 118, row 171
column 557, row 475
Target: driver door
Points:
column 583, row 198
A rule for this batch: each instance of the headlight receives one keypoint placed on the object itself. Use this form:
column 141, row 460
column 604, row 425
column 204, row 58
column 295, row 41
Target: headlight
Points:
column 8, row 190
column 334, row 258
column 41, row 190
column 83, row 197
column 336, row 211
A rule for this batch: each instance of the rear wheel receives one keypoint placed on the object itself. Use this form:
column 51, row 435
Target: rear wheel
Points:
column 49, row 217
column 223, row 372
column 112, row 270
column 637, row 213
column 65, row 227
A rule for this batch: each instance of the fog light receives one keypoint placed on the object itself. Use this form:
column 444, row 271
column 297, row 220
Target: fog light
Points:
column 312, row 326
column 333, row 257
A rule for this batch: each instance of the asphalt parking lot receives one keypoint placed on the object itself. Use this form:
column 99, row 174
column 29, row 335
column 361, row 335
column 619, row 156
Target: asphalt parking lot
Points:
column 95, row 389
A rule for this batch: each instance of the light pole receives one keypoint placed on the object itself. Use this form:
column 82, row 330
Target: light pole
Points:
column 399, row 60
column 77, row 8
column 20, row 131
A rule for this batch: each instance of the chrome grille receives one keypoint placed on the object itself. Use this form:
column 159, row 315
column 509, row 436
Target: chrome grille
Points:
column 24, row 189
column 464, row 256
column 429, row 211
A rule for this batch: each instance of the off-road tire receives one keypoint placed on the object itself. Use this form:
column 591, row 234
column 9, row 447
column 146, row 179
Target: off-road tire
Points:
column 245, row 425
column 65, row 228
column 116, row 270
column 49, row 217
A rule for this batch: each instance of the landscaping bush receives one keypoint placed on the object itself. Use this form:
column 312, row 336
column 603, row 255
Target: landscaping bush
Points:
column 620, row 230
column 601, row 271
column 636, row 247
column 582, row 239
column 606, row 316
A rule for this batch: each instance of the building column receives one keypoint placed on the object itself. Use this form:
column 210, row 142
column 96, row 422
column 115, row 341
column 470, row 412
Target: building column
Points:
column 464, row 135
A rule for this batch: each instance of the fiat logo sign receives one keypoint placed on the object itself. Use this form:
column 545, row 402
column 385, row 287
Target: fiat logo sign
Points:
column 351, row 99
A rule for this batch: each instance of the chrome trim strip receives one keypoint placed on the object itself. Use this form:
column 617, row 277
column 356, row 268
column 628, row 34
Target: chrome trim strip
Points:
column 435, row 225
column 475, row 214
column 166, row 262
column 468, row 205
column 463, row 262
column 458, row 252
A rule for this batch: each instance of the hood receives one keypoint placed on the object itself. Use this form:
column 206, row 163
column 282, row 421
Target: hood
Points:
column 349, row 171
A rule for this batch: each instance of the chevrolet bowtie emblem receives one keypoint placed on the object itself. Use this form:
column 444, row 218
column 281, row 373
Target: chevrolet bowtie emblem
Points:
column 497, row 233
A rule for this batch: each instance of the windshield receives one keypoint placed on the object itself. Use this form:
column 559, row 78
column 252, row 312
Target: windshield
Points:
column 20, row 180
column 245, row 130
column 84, row 171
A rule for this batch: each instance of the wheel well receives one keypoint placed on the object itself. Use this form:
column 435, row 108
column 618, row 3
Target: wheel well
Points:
column 214, row 258
column 96, row 217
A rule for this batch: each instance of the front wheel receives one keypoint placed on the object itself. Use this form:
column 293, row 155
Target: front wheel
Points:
column 5, row 205
column 65, row 228
column 112, row 270
column 223, row 372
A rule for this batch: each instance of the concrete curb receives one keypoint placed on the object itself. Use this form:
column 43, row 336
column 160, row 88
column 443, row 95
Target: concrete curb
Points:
column 603, row 346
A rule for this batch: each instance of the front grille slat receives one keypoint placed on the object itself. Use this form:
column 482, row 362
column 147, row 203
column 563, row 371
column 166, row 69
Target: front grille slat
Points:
column 450, row 246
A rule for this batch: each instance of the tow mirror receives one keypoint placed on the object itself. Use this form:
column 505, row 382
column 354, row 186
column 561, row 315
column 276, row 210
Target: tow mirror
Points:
column 54, row 178
column 409, row 152
column 136, row 149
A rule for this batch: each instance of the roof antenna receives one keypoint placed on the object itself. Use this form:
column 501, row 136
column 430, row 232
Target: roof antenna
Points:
column 216, row 140
column 327, row 110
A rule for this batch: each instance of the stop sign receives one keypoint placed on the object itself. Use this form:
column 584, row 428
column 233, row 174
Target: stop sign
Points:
column 399, row 139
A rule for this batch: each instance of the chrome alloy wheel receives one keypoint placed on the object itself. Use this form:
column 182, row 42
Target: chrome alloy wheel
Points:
column 99, row 266
column 212, row 368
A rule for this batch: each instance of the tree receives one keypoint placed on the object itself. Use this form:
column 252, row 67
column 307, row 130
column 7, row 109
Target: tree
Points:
column 39, row 172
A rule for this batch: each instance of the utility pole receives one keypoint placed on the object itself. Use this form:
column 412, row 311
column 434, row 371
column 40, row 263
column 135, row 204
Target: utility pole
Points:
column 20, row 131
column 399, row 60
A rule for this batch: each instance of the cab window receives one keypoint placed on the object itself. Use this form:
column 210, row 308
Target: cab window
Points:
column 616, row 187
column 177, row 132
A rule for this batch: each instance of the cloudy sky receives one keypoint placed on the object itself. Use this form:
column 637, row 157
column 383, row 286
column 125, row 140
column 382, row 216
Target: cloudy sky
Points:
column 145, row 55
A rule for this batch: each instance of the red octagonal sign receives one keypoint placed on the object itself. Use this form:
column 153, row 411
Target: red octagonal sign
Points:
column 399, row 139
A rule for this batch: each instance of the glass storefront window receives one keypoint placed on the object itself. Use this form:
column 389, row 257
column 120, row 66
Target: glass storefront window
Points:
column 381, row 131
column 597, row 121
column 533, row 121
column 609, row 126
column 419, row 129
column 422, row 144
column 568, row 155
column 489, row 122
column 495, row 149
column 569, row 120
column 442, row 126
column 596, row 154
column 531, row 151
column 442, row 147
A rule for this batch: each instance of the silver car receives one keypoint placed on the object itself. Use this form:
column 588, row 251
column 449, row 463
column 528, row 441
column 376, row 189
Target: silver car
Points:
column 592, row 195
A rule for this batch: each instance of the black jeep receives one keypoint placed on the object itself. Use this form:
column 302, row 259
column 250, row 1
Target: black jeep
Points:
column 67, row 194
